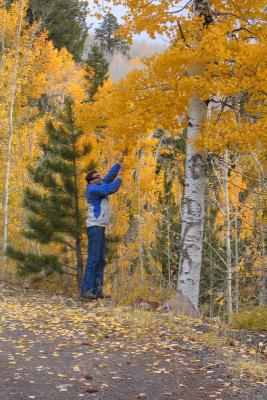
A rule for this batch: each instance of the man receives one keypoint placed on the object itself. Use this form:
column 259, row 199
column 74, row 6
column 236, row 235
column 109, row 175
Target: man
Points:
column 97, row 193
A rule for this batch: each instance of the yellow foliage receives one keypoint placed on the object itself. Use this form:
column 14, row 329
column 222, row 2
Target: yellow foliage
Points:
column 230, row 60
column 41, row 70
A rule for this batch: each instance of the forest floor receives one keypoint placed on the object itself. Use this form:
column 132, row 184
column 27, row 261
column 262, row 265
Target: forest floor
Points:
column 55, row 347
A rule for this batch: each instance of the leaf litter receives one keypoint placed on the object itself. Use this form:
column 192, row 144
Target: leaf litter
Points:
column 120, row 352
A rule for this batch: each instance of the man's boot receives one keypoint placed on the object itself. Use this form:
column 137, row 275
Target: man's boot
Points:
column 88, row 295
column 100, row 295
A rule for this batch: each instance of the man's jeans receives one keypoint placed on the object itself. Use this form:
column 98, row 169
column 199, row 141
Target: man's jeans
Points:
column 94, row 271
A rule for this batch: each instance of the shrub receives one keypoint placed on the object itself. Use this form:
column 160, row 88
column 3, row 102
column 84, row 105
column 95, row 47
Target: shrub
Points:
column 131, row 291
column 254, row 318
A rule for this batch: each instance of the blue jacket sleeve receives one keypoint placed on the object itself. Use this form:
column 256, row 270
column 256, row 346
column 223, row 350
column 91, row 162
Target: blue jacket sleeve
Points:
column 112, row 174
column 106, row 188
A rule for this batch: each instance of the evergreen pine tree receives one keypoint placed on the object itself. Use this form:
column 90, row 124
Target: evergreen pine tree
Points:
column 55, row 213
column 106, row 35
column 97, row 65
column 65, row 21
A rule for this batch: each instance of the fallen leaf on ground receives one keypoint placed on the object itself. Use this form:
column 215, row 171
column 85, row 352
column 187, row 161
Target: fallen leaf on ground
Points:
column 92, row 390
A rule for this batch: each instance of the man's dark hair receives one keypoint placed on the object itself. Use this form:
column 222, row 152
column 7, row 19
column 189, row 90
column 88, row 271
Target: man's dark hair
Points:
column 90, row 176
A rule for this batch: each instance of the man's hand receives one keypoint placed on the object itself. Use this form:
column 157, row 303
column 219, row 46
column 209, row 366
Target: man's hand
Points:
column 120, row 174
column 122, row 155
column 121, row 158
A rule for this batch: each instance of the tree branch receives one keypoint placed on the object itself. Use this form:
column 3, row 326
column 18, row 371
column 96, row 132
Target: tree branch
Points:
column 182, row 34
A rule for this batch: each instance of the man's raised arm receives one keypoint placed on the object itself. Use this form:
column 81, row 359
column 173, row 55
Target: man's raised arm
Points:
column 107, row 188
column 113, row 172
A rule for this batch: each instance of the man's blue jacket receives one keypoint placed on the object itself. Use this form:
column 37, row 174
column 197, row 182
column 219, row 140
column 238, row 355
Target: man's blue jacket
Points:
column 97, row 198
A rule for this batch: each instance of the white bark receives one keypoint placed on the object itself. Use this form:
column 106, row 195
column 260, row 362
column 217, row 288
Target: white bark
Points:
column 168, row 252
column 141, row 248
column 195, row 187
column 10, row 134
column 115, row 258
column 237, row 277
column 263, row 229
column 211, row 275
column 3, row 37
column 228, row 240
column 236, row 249
column 193, row 207
column 263, row 290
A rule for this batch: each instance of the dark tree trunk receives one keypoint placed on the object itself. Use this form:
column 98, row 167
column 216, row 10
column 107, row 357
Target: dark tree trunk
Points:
column 79, row 258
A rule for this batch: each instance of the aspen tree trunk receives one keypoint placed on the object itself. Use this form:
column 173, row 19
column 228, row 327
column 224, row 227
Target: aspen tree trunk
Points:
column 237, row 278
column 10, row 135
column 141, row 248
column 236, row 250
column 3, row 37
column 193, row 208
column 236, row 265
column 228, row 240
column 211, row 304
column 168, row 252
column 194, row 190
column 263, row 291
column 263, row 230
column 115, row 259
column 116, row 267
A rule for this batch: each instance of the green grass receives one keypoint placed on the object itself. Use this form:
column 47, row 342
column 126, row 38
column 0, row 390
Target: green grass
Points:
column 253, row 318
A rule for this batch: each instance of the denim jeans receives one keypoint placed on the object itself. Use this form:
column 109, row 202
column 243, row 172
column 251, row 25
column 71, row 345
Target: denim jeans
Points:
column 94, row 271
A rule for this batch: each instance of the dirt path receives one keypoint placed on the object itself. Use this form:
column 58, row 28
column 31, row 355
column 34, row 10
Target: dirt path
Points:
column 54, row 347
